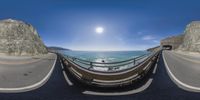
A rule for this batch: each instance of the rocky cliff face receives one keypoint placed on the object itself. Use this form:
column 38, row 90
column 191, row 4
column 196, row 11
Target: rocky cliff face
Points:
column 191, row 41
column 19, row 38
column 174, row 41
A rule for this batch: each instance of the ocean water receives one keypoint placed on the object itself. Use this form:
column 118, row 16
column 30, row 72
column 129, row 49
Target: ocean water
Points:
column 107, row 56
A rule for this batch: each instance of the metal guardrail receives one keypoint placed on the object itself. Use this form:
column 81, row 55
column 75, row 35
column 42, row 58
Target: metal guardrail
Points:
column 111, row 66
column 110, row 78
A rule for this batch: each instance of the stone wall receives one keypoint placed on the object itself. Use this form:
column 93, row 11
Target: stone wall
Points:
column 19, row 38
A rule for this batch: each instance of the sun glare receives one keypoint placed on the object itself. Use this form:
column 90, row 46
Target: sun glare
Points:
column 99, row 30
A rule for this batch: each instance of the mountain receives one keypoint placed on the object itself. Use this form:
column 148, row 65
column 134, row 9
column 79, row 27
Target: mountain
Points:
column 20, row 38
column 154, row 49
column 56, row 48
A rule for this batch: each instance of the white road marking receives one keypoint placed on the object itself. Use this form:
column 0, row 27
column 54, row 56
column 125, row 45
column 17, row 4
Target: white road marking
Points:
column 31, row 87
column 62, row 65
column 155, row 68
column 158, row 59
column 196, row 89
column 144, row 87
column 66, row 77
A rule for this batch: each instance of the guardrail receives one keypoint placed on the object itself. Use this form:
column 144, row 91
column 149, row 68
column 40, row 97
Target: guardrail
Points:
column 111, row 78
column 109, row 66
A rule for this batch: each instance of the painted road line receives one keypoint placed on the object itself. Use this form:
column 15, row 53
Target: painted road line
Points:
column 134, row 91
column 179, row 83
column 62, row 65
column 66, row 77
column 158, row 59
column 155, row 68
column 31, row 87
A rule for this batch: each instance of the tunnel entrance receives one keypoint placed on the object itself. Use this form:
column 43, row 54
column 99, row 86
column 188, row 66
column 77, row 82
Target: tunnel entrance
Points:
column 167, row 47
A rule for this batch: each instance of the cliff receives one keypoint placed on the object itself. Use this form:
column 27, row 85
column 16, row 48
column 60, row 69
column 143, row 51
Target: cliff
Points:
column 19, row 38
column 173, row 41
column 191, row 41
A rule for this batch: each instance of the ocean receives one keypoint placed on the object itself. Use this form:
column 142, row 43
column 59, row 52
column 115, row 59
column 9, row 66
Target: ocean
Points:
column 107, row 56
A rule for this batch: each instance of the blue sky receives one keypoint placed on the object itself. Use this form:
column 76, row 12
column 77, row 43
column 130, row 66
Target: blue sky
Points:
column 128, row 24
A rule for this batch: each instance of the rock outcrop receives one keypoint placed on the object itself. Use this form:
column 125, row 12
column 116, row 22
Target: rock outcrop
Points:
column 191, row 41
column 174, row 41
column 19, row 38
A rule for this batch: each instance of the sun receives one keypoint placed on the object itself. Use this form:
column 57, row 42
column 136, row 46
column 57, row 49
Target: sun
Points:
column 99, row 30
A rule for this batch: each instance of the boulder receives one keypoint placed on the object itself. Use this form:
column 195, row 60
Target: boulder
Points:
column 20, row 38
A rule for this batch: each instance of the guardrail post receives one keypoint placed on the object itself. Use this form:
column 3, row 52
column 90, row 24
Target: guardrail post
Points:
column 73, row 59
column 90, row 64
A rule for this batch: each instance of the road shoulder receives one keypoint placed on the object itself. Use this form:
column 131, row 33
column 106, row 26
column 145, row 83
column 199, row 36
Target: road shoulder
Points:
column 28, row 76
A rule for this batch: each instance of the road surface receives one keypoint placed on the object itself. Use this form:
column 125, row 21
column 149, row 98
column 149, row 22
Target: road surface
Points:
column 25, row 73
column 57, row 88
column 184, row 70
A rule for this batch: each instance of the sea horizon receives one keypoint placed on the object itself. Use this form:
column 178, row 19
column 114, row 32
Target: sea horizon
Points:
column 107, row 56
column 104, row 50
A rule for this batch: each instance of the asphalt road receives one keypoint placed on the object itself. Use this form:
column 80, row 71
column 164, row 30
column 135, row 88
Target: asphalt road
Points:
column 161, row 88
column 185, row 69
column 20, row 73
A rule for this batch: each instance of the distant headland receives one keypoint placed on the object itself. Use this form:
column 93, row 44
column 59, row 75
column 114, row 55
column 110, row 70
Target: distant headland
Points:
column 56, row 48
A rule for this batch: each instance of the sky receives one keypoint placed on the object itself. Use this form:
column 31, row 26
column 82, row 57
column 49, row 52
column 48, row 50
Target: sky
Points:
column 127, row 24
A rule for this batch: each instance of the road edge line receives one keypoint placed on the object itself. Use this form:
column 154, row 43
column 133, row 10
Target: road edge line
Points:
column 177, row 81
column 30, row 87
column 135, row 91
column 66, row 76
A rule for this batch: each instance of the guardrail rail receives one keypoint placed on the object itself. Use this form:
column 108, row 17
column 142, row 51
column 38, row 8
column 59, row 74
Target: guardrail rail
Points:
column 116, row 73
